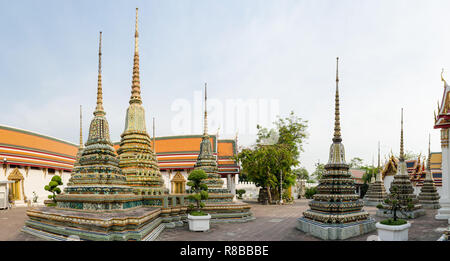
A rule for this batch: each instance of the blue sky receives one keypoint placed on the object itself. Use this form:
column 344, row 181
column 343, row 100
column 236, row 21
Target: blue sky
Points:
column 391, row 55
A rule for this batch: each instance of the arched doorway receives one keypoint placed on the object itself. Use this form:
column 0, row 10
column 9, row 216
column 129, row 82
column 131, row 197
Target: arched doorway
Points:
column 16, row 189
column 178, row 184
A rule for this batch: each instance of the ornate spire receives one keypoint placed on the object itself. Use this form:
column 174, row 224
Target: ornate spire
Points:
column 378, row 176
column 136, row 83
column 429, row 157
column 337, row 124
column 205, row 123
column 99, row 109
column 81, row 129
column 154, row 143
column 402, row 154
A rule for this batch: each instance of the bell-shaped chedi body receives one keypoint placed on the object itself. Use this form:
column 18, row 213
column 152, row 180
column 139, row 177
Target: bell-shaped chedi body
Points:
column 136, row 157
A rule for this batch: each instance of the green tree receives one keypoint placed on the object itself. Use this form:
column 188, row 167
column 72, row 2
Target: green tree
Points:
column 274, row 155
column 356, row 163
column 200, row 190
column 53, row 187
column 301, row 173
column 320, row 169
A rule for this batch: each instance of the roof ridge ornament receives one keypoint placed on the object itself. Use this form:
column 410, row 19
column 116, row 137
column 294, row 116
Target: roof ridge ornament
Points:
column 442, row 77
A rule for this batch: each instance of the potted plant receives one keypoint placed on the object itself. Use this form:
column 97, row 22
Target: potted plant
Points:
column 197, row 219
column 393, row 229
column 53, row 188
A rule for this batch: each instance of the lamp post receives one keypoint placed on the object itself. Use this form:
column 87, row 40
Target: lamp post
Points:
column 281, row 187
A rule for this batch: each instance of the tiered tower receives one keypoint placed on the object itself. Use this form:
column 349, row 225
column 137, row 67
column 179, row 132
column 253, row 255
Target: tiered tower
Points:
column 442, row 121
column 98, row 204
column 220, row 203
column 136, row 157
column 336, row 212
column 376, row 192
column 428, row 196
column 405, row 189
column 207, row 161
column 97, row 181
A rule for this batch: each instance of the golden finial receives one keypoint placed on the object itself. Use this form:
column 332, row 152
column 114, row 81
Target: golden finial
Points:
column 136, row 83
column 402, row 155
column 442, row 76
column 337, row 124
column 205, row 123
column 99, row 109
column 81, row 129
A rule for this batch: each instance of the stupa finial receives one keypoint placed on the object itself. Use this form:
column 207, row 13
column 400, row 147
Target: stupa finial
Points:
column 378, row 176
column 402, row 154
column 205, row 123
column 337, row 124
column 154, row 143
column 81, row 128
column 136, row 83
column 378, row 167
column 429, row 154
column 99, row 111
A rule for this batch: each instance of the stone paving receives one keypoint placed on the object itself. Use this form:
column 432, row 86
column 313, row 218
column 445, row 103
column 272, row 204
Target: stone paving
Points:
column 277, row 223
column 273, row 223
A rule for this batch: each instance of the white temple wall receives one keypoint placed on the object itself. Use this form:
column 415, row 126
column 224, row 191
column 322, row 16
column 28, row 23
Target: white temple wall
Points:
column 387, row 182
column 444, row 211
column 35, row 181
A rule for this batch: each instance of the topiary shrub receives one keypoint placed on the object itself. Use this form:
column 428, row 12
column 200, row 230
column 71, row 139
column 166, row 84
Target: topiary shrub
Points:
column 200, row 191
column 240, row 192
column 53, row 187
column 391, row 222
column 394, row 205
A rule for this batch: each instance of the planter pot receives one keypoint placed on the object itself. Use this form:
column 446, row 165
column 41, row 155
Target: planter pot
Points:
column 199, row 223
column 393, row 233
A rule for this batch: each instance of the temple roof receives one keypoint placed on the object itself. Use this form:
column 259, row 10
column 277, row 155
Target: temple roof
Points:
column 22, row 147
column 442, row 120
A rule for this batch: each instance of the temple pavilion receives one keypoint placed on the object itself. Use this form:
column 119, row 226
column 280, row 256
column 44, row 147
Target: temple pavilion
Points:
column 336, row 212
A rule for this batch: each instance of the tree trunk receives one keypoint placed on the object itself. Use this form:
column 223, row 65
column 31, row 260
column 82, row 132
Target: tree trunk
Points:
column 269, row 195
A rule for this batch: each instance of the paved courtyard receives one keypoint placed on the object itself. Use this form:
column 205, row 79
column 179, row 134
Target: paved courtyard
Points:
column 273, row 223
